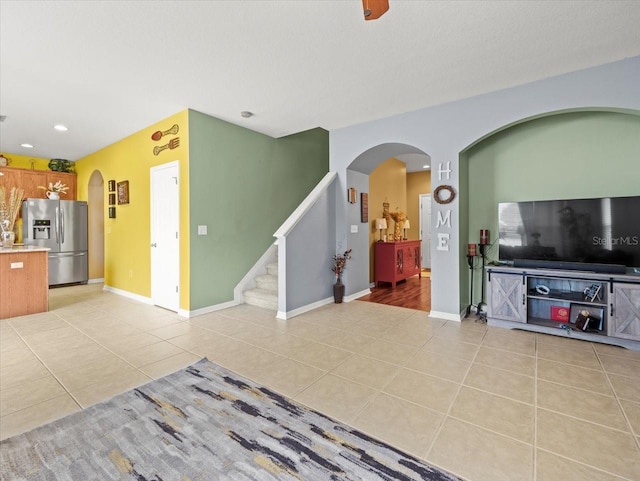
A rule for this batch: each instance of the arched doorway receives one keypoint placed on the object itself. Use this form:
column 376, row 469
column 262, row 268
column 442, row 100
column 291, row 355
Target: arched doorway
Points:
column 96, row 227
column 396, row 175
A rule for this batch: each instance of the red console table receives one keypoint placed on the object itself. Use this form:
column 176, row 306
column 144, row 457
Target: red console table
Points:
column 396, row 261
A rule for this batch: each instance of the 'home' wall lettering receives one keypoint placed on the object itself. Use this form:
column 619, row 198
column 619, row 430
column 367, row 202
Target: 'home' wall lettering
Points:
column 444, row 216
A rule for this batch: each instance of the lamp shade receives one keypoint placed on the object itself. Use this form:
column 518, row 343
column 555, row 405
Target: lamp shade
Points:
column 381, row 223
column 407, row 225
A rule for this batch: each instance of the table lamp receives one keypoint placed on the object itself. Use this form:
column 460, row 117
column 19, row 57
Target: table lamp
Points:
column 381, row 224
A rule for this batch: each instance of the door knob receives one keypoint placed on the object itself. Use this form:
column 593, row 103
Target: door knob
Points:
column 154, row 245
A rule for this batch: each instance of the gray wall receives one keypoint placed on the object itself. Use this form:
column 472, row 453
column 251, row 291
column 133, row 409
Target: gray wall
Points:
column 358, row 266
column 309, row 253
column 446, row 130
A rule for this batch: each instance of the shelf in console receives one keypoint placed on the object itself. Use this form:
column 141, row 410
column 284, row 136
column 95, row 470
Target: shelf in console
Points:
column 569, row 297
column 558, row 325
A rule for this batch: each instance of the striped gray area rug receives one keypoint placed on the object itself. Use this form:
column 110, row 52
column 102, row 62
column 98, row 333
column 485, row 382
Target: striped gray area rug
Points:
column 204, row 423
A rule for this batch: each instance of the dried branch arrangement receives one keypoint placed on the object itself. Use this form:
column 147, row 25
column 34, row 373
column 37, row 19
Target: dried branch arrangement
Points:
column 9, row 209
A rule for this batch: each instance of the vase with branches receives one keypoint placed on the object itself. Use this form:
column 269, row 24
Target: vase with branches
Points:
column 339, row 264
column 53, row 191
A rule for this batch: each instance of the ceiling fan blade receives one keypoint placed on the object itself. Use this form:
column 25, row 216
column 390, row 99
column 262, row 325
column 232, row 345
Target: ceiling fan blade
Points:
column 374, row 8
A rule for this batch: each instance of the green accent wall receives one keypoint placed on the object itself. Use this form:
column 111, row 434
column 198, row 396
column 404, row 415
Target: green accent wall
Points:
column 563, row 156
column 243, row 186
column 463, row 212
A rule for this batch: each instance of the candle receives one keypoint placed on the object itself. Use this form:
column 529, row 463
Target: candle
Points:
column 472, row 250
column 484, row 237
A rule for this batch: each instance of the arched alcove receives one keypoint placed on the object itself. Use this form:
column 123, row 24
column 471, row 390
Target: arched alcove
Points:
column 96, row 227
column 581, row 153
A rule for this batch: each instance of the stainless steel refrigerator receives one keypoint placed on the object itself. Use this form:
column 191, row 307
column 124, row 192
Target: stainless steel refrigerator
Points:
column 60, row 225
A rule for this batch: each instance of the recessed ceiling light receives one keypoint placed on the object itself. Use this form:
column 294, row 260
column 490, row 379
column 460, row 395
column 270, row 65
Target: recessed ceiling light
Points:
column 26, row 146
column 425, row 166
column 246, row 114
column 61, row 128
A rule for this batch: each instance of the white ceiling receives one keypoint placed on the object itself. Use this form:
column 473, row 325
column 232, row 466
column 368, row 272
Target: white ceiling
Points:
column 107, row 69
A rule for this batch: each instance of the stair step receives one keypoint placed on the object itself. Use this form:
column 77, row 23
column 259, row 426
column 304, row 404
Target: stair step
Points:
column 272, row 269
column 261, row 298
column 267, row 282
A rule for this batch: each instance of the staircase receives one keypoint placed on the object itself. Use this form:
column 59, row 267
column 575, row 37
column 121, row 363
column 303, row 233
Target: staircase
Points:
column 265, row 294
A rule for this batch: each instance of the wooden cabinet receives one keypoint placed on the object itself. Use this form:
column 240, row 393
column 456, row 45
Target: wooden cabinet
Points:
column 550, row 301
column 24, row 288
column 67, row 179
column 396, row 261
column 30, row 180
column 625, row 321
column 10, row 177
column 505, row 297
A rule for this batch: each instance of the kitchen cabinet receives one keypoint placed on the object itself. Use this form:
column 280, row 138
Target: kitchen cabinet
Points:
column 24, row 286
column 30, row 180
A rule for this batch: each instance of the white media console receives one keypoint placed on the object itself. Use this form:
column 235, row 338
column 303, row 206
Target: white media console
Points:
column 550, row 301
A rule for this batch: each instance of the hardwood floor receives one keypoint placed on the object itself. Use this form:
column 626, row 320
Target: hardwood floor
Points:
column 414, row 293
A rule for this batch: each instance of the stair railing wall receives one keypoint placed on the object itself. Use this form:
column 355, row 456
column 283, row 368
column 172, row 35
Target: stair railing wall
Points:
column 306, row 244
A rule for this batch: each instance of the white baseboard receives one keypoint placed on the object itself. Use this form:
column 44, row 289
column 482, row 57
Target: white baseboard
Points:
column 130, row 295
column 96, row 281
column 310, row 307
column 301, row 310
column 181, row 312
column 353, row 297
column 208, row 309
column 446, row 316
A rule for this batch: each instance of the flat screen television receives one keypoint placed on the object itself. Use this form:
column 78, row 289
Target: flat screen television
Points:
column 602, row 231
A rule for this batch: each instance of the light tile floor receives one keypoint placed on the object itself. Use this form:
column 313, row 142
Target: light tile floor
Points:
column 484, row 403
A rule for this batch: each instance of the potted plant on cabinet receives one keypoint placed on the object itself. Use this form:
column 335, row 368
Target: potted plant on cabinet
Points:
column 339, row 263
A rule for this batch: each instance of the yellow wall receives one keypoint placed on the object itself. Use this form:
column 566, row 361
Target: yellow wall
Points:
column 127, row 238
column 24, row 161
column 417, row 183
column 387, row 183
column 96, row 196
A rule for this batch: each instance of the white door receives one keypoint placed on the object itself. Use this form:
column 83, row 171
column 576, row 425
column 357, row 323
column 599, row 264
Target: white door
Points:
column 425, row 230
column 165, row 241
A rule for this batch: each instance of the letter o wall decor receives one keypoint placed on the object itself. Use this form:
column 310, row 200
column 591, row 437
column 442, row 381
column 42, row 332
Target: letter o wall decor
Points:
column 446, row 200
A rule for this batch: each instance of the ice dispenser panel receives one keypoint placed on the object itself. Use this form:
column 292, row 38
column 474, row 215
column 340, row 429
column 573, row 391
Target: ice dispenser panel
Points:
column 41, row 229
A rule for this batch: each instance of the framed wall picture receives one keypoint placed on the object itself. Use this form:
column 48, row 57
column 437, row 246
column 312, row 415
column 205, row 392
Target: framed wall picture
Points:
column 123, row 192
column 112, row 212
column 112, row 185
column 364, row 207
column 112, row 199
column 352, row 195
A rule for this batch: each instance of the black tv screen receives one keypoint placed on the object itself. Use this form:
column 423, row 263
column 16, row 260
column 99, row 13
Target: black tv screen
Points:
column 600, row 231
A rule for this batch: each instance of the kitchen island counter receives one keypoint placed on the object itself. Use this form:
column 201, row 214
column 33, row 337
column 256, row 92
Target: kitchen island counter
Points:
column 24, row 281
column 22, row 248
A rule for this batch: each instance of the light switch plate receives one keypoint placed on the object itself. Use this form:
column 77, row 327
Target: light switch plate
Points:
column 202, row 230
column 354, row 229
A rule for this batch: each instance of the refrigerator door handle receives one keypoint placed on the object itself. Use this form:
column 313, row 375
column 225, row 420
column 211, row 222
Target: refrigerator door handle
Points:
column 57, row 225
column 62, row 226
